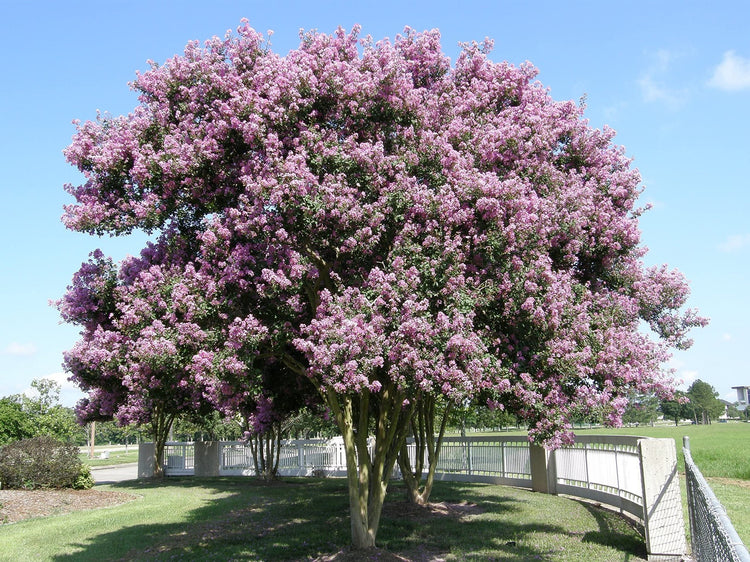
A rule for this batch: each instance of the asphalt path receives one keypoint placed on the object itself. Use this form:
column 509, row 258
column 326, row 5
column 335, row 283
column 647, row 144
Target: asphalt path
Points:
column 115, row 473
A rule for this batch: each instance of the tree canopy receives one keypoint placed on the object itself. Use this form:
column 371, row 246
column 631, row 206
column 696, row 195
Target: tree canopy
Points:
column 23, row 417
column 704, row 404
column 382, row 225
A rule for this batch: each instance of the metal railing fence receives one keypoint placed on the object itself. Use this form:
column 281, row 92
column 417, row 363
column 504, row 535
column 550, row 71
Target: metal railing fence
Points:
column 712, row 534
column 604, row 469
column 636, row 475
column 179, row 458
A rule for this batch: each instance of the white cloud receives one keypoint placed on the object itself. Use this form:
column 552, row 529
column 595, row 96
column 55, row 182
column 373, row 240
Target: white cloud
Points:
column 726, row 337
column 687, row 378
column 62, row 380
column 732, row 74
column 652, row 84
column 735, row 243
column 69, row 392
column 20, row 349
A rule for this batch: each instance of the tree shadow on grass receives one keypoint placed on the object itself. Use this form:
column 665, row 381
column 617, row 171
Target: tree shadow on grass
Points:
column 239, row 519
column 615, row 531
column 308, row 519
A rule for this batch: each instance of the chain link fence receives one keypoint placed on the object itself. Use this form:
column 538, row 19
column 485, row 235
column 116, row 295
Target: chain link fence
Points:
column 712, row 534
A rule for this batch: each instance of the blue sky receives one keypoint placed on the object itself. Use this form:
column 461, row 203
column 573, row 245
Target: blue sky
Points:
column 672, row 78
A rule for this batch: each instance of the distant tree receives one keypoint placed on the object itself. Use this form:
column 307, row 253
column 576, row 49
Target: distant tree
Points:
column 211, row 427
column 112, row 432
column 675, row 409
column 704, row 402
column 478, row 414
column 14, row 423
column 733, row 411
column 311, row 422
column 642, row 409
column 47, row 417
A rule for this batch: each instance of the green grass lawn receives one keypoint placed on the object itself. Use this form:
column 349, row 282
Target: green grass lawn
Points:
column 302, row 519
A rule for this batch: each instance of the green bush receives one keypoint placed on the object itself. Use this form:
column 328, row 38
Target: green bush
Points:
column 42, row 462
column 85, row 479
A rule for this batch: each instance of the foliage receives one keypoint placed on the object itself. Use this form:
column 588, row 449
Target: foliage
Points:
column 211, row 427
column 310, row 423
column 110, row 432
column 704, row 404
column 478, row 415
column 379, row 227
column 24, row 416
column 84, row 480
column 42, row 462
column 14, row 423
column 733, row 412
column 642, row 410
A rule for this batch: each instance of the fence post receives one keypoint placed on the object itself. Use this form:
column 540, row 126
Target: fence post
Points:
column 146, row 460
column 542, row 466
column 662, row 502
column 300, row 455
column 206, row 458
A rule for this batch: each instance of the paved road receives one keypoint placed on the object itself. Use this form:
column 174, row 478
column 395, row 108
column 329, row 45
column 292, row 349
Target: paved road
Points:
column 115, row 473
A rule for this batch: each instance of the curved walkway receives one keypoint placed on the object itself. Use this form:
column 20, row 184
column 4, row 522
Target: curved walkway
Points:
column 115, row 473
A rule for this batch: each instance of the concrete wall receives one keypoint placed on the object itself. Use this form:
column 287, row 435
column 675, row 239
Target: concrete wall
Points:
column 662, row 501
column 207, row 459
column 146, row 460
column 662, row 517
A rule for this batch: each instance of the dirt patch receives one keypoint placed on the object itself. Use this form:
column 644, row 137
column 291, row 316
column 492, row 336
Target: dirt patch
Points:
column 410, row 510
column 370, row 555
column 349, row 555
column 17, row 505
column 730, row 482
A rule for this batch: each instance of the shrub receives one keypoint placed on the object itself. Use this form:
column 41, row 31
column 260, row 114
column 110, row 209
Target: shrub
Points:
column 85, row 479
column 42, row 462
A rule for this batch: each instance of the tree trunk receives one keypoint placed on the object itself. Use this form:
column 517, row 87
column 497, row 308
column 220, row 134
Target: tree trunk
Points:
column 161, row 424
column 423, row 429
column 368, row 473
column 265, row 448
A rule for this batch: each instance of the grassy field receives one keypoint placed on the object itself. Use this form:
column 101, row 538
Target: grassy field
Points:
column 116, row 456
column 240, row 519
column 296, row 519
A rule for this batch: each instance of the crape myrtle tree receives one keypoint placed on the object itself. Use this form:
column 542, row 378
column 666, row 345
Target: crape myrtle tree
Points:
column 152, row 347
column 139, row 335
column 400, row 230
